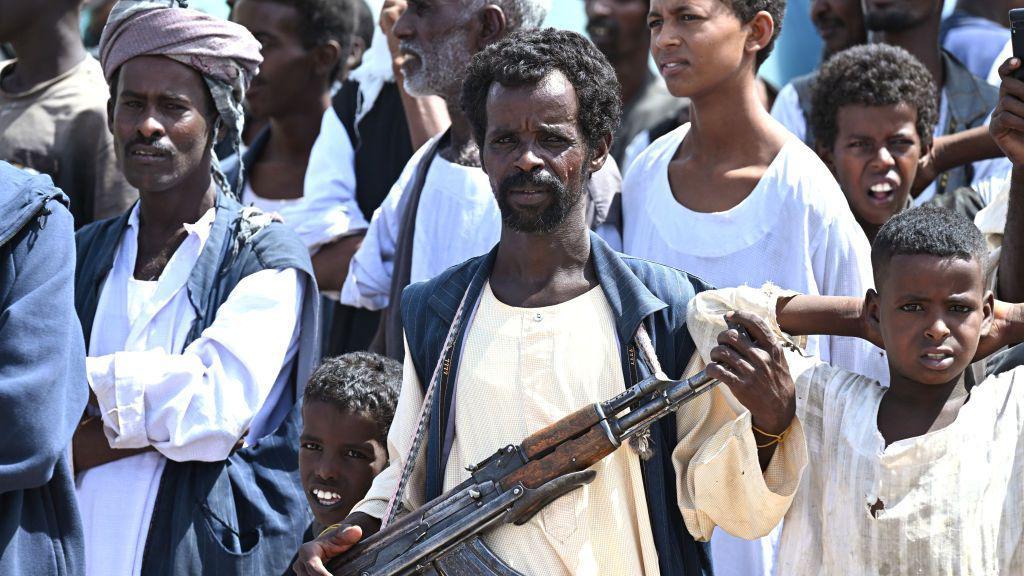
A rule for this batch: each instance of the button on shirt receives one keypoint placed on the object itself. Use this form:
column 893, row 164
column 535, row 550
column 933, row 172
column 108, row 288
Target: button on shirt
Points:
column 188, row 403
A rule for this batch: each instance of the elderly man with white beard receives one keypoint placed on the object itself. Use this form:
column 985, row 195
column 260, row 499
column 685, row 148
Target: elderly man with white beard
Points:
column 441, row 211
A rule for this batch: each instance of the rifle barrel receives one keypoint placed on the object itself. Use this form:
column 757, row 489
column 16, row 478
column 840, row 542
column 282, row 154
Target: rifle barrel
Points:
column 678, row 393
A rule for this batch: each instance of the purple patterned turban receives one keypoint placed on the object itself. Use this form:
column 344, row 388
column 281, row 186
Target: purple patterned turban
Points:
column 224, row 53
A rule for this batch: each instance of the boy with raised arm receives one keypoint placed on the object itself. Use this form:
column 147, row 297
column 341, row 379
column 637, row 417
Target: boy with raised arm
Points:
column 925, row 476
column 873, row 117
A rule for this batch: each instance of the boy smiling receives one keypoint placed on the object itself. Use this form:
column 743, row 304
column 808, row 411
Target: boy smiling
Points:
column 348, row 407
column 922, row 477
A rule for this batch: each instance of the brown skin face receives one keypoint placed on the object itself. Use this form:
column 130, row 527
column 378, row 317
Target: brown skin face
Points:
column 699, row 45
column 875, row 159
column 290, row 74
column 535, row 154
column 340, row 453
column 161, row 124
column 840, row 23
column 931, row 313
column 899, row 15
column 618, row 27
column 433, row 37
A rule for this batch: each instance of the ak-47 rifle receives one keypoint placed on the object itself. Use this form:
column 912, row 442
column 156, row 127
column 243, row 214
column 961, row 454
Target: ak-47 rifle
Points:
column 442, row 538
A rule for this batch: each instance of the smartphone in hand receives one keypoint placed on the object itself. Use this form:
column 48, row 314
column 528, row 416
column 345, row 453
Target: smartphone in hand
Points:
column 1017, row 38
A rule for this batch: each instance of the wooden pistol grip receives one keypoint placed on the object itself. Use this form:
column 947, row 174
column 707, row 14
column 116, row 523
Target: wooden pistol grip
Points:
column 550, row 436
column 572, row 456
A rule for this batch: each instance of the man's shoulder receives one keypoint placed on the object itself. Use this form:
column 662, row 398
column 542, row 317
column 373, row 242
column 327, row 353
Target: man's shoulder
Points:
column 273, row 243
column 970, row 98
column 79, row 91
column 90, row 237
column 670, row 285
column 23, row 195
column 453, row 282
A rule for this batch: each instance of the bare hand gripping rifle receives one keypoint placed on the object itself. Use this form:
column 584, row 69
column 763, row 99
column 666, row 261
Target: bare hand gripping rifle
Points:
column 442, row 538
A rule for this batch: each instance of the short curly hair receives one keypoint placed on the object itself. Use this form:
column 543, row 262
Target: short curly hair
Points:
column 745, row 10
column 927, row 230
column 872, row 75
column 361, row 383
column 321, row 21
column 525, row 57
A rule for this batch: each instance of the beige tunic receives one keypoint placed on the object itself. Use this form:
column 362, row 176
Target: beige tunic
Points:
column 953, row 498
column 522, row 369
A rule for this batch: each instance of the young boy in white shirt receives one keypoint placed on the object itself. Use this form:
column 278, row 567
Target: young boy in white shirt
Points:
column 925, row 476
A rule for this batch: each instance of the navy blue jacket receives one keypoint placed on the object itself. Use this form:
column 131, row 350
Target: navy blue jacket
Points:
column 43, row 387
column 637, row 291
column 245, row 515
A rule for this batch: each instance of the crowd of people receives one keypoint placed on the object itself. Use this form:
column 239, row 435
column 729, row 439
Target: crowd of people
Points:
column 267, row 281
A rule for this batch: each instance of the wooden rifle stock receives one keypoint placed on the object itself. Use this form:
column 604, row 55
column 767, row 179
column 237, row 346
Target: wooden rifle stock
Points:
column 442, row 538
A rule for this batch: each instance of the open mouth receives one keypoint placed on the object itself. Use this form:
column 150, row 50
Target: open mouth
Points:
column 938, row 360
column 882, row 193
column 325, row 498
column 600, row 31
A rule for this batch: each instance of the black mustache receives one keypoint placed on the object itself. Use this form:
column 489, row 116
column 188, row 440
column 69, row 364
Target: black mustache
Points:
column 136, row 142
column 536, row 179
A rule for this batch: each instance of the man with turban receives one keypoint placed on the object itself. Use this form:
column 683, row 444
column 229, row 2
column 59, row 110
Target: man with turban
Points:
column 199, row 319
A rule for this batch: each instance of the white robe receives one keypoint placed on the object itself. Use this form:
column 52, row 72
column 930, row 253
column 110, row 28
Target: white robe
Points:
column 795, row 229
column 457, row 219
column 953, row 498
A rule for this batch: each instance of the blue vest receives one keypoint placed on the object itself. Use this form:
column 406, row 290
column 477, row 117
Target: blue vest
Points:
column 637, row 291
column 245, row 515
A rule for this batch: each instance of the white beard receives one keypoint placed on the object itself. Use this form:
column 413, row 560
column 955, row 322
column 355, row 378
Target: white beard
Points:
column 441, row 66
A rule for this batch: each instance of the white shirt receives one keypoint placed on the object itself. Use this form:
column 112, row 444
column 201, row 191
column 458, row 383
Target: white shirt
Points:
column 638, row 144
column 524, row 369
column 457, row 219
column 788, row 112
column 329, row 188
column 795, row 229
column 288, row 209
column 953, row 498
column 191, row 403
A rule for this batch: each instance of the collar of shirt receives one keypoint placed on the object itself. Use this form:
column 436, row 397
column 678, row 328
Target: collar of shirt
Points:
column 174, row 276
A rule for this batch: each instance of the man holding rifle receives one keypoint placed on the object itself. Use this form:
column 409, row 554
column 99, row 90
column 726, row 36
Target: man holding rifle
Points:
column 552, row 320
